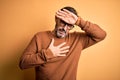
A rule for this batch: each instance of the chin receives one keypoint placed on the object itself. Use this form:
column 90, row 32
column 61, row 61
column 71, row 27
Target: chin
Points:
column 61, row 36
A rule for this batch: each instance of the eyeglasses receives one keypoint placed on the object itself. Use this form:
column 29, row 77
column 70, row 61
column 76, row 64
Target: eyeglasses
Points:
column 70, row 26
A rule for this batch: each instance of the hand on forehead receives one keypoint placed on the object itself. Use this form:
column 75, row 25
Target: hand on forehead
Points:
column 66, row 16
column 64, row 12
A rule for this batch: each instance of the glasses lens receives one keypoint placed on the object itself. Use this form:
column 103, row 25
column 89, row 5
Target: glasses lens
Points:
column 70, row 26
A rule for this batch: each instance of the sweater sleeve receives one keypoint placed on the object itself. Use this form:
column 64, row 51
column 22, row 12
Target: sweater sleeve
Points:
column 32, row 57
column 93, row 33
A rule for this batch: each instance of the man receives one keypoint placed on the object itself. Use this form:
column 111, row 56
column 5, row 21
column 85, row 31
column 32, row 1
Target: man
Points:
column 55, row 54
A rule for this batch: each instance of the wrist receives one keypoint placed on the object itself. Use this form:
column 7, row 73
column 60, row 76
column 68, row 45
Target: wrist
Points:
column 78, row 21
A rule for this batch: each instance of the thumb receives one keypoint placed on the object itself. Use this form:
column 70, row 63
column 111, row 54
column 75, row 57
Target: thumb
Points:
column 52, row 42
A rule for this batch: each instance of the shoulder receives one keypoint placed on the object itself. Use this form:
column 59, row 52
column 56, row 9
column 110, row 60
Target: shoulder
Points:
column 78, row 35
column 75, row 33
column 42, row 33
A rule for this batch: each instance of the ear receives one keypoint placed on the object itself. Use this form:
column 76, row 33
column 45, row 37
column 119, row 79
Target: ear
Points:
column 56, row 19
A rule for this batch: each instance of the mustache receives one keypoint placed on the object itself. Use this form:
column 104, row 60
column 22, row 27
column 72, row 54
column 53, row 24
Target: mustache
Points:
column 62, row 30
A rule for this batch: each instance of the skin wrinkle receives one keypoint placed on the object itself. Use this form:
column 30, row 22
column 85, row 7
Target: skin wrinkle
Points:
column 58, row 49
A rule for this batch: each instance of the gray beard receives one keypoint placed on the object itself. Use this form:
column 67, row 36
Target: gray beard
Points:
column 59, row 35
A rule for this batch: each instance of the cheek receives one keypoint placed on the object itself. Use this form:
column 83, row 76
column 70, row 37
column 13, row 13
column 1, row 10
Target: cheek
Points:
column 67, row 31
column 58, row 26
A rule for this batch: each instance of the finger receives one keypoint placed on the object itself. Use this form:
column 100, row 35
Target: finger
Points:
column 61, row 44
column 67, row 11
column 60, row 17
column 65, row 48
column 58, row 13
column 65, row 51
column 62, row 12
column 61, row 55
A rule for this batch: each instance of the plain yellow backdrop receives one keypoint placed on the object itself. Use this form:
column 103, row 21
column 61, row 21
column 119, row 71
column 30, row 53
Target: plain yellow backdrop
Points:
column 21, row 19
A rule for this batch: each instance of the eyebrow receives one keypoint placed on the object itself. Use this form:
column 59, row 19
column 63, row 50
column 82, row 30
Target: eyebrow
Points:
column 63, row 21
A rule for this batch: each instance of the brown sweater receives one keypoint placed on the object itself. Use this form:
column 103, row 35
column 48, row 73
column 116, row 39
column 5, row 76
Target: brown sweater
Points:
column 47, row 66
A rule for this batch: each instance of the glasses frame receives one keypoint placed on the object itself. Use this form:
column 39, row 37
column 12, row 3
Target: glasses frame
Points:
column 70, row 26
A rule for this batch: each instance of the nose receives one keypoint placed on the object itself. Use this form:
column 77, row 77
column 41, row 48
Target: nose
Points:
column 65, row 27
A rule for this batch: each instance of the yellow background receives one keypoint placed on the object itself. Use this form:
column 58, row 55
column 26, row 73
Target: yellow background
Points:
column 21, row 19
